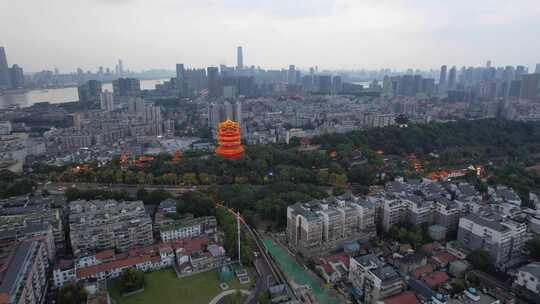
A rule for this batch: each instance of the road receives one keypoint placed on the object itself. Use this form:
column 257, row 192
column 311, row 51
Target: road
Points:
column 269, row 271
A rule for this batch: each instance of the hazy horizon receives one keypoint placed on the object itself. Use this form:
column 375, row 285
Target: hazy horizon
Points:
column 333, row 34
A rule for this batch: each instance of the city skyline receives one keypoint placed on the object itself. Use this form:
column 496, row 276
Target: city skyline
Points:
column 393, row 34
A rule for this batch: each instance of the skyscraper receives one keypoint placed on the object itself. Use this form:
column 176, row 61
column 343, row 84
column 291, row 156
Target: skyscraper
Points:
column 219, row 112
column 125, row 88
column 325, row 84
column 337, row 85
column 120, row 68
column 17, row 77
column 5, row 79
column 239, row 58
column 90, row 93
column 180, row 78
column 537, row 70
column 530, row 86
column 213, row 82
column 291, row 75
column 442, row 79
column 452, row 77
column 107, row 101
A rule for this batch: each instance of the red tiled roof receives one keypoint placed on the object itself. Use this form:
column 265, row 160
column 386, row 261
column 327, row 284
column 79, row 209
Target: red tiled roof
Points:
column 445, row 257
column 93, row 270
column 407, row 297
column 327, row 268
column 342, row 257
column 106, row 254
column 420, row 271
column 435, row 279
column 431, row 247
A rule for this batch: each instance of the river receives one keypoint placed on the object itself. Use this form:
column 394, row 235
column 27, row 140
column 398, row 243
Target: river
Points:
column 61, row 95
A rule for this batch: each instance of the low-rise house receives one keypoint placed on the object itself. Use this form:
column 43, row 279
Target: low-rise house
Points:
column 422, row 271
column 436, row 279
column 167, row 206
column 458, row 268
column 442, row 259
column 528, row 277
column 107, row 265
column 410, row 262
column 198, row 254
column 407, row 297
column 333, row 268
column 374, row 280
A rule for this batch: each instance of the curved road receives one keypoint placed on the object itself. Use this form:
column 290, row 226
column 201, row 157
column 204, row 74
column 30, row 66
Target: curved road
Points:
column 225, row 293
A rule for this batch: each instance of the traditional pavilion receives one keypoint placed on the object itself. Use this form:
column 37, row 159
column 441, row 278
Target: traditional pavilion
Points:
column 228, row 137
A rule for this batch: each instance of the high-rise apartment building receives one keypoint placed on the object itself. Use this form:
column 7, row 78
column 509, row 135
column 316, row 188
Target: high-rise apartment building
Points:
column 442, row 78
column 5, row 79
column 452, row 78
column 530, row 86
column 196, row 79
column 107, row 103
column 214, row 87
column 291, row 75
column 17, row 77
column 126, row 88
column 325, row 84
column 337, row 85
column 24, row 272
column 239, row 58
column 219, row 112
column 181, row 79
column 99, row 225
column 502, row 238
column 326, row 225
column 90, row 93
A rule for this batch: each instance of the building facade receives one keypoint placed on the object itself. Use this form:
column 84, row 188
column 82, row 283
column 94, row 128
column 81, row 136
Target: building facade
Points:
column 98, row 225
column 502, row 238
column 326, row 225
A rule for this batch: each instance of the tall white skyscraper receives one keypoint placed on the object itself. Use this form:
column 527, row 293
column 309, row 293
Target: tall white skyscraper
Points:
column 239, row 58
column 120, row 68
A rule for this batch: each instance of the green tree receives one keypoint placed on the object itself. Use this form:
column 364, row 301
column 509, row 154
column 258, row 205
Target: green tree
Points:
column 131, row 279
column 141, row 178
column 532, row 248
column 72, row 294
column 481, row 260
column 263, row 297
column 190, row 178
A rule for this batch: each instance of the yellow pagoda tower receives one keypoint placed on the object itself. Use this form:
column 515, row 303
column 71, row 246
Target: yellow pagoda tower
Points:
column 228, row 137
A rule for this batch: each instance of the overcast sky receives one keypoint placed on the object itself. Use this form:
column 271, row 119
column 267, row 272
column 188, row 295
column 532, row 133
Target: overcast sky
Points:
column 333, row 34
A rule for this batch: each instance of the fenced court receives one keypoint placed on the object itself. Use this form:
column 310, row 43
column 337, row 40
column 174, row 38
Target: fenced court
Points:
column 299, row 275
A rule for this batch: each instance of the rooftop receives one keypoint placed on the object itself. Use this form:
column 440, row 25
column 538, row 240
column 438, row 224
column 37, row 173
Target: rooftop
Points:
column 407, row 297
column 532, row 268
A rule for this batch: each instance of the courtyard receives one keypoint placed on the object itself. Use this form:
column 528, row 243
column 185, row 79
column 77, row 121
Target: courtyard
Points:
column 163, row 287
